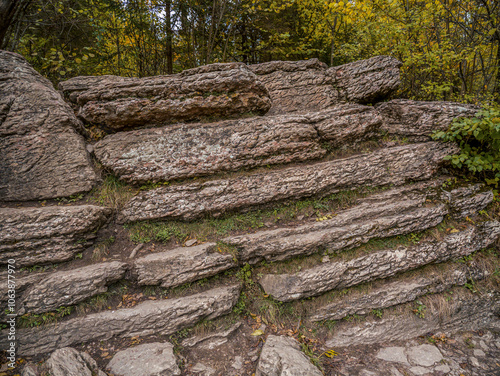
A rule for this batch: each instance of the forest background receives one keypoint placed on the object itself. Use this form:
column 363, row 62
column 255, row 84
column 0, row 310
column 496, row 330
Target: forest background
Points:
column 449, row 48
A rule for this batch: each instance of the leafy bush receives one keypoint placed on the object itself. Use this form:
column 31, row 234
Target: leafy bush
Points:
column 479, row 141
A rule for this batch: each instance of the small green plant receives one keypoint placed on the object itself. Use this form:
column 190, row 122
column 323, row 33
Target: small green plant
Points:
column 377, row 313
column 240, row 307
column 420, row 309
column 479, row 141
column 245, row 275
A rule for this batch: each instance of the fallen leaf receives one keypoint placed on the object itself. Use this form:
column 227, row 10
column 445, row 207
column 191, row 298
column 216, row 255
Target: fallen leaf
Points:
column 258, row 332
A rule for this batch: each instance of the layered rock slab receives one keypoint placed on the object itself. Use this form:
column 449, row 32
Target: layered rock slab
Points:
column 70, row 362
column 398, row 291
column 175, row 152
column 162, row 317
column 396, row 166
column 418, row 120
column 215, row 91
column 382, row 264
column 69, row 287
column 464, row 313
column 182, row 265
column 43, row 156
column 282, row 356
column 412, row 208
column 48, row 234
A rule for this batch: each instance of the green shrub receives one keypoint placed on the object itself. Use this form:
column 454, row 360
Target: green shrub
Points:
column 479, row 141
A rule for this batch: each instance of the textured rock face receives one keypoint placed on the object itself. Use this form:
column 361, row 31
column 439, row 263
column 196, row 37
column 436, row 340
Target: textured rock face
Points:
column 48, row 234
column 418, row 120
column 43, row 156
column 396, row 292
column 383, row 264
column 70, row 287
column 175, row 152
column 70, row 362
column 281, row 356
column 309, row 86
column 151, row 317
column 469, row 313
column 149, row 359
column 395, row 166
column 216, row 90
column 182, row 265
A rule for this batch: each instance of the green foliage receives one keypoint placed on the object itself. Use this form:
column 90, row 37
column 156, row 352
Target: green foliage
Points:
column 420, row 309
column 30, row 320
column 479, row 141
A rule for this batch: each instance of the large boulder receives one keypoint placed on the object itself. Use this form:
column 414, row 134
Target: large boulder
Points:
column 211, row 91
column 43, row 156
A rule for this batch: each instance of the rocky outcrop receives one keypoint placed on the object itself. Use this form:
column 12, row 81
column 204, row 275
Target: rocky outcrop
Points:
column 182, row 265
column 382, row 264
column 418, row 120
column 43, row 156
column 398, row 291
column 309, row 86
column 466, row 200
column 211, row 91
column 466, row 313
column 161, row 317
column 394, row 212
column 149, row 359
column 48, row 234
column 395, row 166
column 70, row 362
column 188, row 150
column 70, row 287
column 282, row 356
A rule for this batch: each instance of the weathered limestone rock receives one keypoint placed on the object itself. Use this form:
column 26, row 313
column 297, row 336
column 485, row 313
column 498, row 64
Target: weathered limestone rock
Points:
column 282, row 356
column 48, row 234
column 467, row 313
column 396, row 166
column 149, row 359
column 161, row 317
column 188, row 150
column 308, row 85
column 467, row 200
column 398, row 291
column 424, row 355
column 382, row 264
column 70, row 287
column 211, row 341
column 216, row 90
column 418, row 120
column 182, row 265
column 70, row 362
column 366, row 81
column 43, row 156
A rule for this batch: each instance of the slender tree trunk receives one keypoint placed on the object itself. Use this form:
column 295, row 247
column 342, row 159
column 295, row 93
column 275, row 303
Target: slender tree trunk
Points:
column 168, row 25
column 10, row 12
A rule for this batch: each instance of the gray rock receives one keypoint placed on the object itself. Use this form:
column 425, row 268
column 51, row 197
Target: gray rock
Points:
column 48, row 234
column 281, row 356
column 29, row 370
column 479, row 353
column 43, row 156
column 70, row 362
column 191, row 242
column 443, row 368
column 399, row 291
column 237, row 363
column 182, row 265
column 149, row 359
column 216, row 90
column 474, row 362
column 393, row 354
column 162, row 317
column 381, row 264
column 420, row 370
column 424, row 355
column 202, row 370
column 211, row 341
column 70, row 287
column 395, row 166
column 188, row 150
column 467, row 200
column 467, row 313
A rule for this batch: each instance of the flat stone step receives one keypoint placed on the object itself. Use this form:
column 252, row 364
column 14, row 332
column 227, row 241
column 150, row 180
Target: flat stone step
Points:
column 43, row 156
column 395, row 166
column 309, row 85
column 382, row 264
column 48, row 234
column 398, row 291
column 182, row 265
column 470, row 312
column 65, row 288
column 188, row 150
column 163, row 317
column 216, row 90
column 398, row 211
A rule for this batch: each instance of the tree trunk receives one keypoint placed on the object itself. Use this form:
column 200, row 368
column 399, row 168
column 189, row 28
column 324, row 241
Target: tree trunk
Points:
column 168, row 26
column 10, row 11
